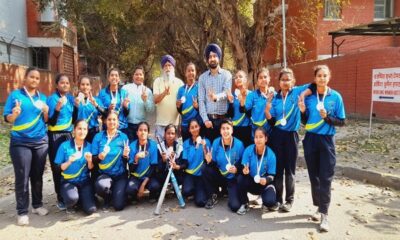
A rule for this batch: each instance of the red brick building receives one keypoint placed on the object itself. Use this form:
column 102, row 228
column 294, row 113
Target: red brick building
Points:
column 358, row 55
column 28, row 38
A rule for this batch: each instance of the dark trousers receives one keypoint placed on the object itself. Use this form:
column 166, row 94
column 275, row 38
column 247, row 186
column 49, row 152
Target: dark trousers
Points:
column 72, row 193
column 185, row 132
column 246, row 185
column 134, row 183
column 112, row 189
column 213, row 133
column 320, row 155
column 91, row 133
column 132, row 132
column 55, row 140
column 29, row 159
column 213, row 179
column 194, row 186
column 244, row 134
column 284, row 144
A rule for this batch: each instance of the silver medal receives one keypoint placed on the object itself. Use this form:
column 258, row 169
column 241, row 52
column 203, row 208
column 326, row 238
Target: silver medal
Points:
column 77, row 155
column 257, row 178
column 81, row 97
column 39, row 104
column 228, row 166
column 320, row 106
column 283, row 121
column 64, row 100
column 114, row 101
column 183, row 99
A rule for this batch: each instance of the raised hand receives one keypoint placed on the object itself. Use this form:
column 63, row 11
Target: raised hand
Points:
column 195, row 102
column 88, row 157
column 126, row 102
column 208, row 124
column 126, row 149
column 232, row 169
column 323, row 113
column 301, row 104
column 144, row 94
column 60, row 103
column 16, row 111
column 208, row 155
column 246, row 169
column 212, row 95
column 229, row 96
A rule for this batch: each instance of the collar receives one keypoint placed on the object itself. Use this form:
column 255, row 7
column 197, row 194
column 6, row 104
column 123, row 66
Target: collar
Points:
column 219, row 70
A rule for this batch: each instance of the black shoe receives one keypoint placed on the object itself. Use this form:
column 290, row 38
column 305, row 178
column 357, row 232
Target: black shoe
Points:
column 211, row 202
column 275, row 207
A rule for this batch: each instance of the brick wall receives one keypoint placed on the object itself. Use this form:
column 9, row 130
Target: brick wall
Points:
column 12, row 76
column 352, row 77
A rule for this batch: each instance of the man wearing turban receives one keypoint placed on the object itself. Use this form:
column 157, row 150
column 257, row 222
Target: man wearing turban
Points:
column 165, row 89
column 213, row 86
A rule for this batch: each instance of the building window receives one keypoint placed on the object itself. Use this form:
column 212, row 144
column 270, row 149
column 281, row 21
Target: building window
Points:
column 332, row 9
column 383, row 9
column 40, row 57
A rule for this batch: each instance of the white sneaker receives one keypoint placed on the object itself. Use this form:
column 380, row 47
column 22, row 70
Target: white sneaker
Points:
column 324, row 226
column 316, row 216
column 22, row 220
column 41, row 211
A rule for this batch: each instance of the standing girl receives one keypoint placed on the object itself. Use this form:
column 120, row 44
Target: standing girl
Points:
column 88, row 107
column 321, row 112
column 241, row 121
column 27, row 111
column 74, row 158
column 257, row 100
column 113, row 98
column 186, row 102
column 61, row 117
column 284, row 117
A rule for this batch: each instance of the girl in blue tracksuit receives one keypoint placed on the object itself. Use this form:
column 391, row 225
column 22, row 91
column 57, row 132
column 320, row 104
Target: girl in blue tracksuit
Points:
column 186, row 100
column 193, row 155
column 74, row 158
column 259, row 165
column 27, row 111
column 114, row 98
column 61, row 117
column 169, row 152
column 257, row 100
column 241, row 120
column 88, row 107
column 110, row 149
column 321, row 112
column 142, row 162
column 283, row 116
column 227, row 152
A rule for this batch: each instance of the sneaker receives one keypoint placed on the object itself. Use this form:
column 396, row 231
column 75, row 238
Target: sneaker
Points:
column 61, row 206
column 244, row 208
column 275, row 207
column 324, row 226
column 41, row 211
column 22, row 220
column 264, row 209
column 286, row 207
column 211, row 202
column 316, row 216
column 70, row 211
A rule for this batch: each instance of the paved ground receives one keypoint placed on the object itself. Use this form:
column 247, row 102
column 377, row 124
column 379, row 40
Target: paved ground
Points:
column 358, row 211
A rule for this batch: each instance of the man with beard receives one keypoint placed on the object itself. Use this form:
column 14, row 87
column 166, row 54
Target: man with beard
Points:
column 165, row 89
column 213, row 87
